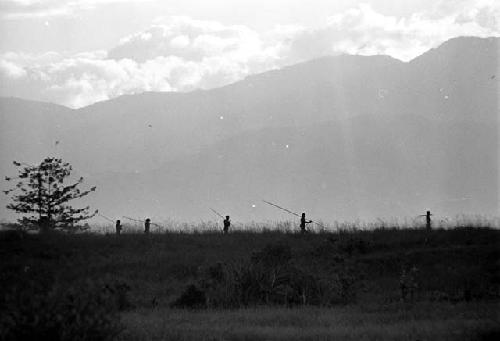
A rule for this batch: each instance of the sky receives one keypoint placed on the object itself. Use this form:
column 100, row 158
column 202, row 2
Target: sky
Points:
column 78, row 52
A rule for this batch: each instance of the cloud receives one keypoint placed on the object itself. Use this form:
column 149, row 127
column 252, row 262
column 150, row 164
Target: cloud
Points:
column 364, row 31
column 83, row 79
column 23, row 9
column 182, row 54
column 189, row 39
column 11, row 70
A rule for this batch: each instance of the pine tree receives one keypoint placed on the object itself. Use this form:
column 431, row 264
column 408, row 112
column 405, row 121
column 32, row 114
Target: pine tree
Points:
column 42, row 196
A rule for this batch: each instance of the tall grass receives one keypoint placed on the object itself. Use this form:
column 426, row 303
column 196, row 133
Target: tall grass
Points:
column 397, row 321
column 456, row 266
column 290, row 226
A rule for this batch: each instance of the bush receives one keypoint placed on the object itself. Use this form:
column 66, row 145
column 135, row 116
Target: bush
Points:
column 270, row 277
column 119, row 292
column 191, row 298
column 88, row 311
column 12, row 235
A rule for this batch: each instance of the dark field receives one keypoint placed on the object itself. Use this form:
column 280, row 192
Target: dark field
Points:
column 385, row 284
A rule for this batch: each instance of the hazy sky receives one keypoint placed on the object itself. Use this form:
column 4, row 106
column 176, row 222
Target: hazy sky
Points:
column 77, row 52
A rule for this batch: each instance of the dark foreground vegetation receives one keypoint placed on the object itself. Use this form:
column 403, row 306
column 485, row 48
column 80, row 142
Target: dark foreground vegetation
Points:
column 386, row 284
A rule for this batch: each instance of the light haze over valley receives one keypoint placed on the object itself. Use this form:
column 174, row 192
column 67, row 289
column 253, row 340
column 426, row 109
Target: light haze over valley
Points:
column 341, row 137
column 371, row 112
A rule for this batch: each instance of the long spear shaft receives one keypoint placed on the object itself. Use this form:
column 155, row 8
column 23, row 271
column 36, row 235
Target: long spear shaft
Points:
column 281, row 208
column 291, row 212
column 140, row 221
column 220, row 215
column 137, row 220
column 108, row 219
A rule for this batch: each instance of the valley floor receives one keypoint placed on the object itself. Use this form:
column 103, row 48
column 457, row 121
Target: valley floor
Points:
column 396, row 321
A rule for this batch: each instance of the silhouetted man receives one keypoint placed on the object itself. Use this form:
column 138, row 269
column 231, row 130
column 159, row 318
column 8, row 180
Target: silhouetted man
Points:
column 227, row 223
column 118, row 227
column 428, row 220
column 147, row 225
column 303, row 223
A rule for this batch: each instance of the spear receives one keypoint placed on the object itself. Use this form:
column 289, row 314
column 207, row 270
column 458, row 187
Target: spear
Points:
column 108, row 219
column 291, row 212
column 217, row 213
column 220, row 215
column 137, row 220
column 281, row 208
column 140, row 221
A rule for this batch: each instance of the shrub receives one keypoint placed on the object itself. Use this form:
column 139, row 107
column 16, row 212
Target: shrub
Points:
column 119, row 292
column 269, row 277
column 12, row 235
column 88, row 311
column 191, row 298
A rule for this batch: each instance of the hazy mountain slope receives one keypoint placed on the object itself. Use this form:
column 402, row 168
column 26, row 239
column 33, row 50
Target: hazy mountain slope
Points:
column 143, row 131
column 180, row 123
column 29, row 129
column 334, row 171
column 458, row 80
column 367, row 135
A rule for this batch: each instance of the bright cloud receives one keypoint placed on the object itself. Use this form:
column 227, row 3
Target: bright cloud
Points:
column 11, row 70
column 189, row 39
column 182, row 54
column 362, row 30
column 22, row 9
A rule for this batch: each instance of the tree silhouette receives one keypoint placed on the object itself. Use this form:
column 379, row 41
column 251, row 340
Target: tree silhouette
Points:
column 41, row 195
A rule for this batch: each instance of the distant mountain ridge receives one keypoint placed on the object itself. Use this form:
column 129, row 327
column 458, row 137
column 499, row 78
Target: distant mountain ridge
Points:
column 366, row 136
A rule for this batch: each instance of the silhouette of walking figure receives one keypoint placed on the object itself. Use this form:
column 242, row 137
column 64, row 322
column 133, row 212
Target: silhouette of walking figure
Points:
column 227, row 223
column 303, row 223
column 147, row 225
column 118, row 227
column 428, row 221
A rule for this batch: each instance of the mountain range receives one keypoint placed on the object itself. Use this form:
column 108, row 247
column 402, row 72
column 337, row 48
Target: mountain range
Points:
column 341, row 138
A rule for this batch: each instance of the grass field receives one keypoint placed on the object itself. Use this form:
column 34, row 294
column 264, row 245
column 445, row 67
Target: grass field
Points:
column 398, row 321
column 352, row 279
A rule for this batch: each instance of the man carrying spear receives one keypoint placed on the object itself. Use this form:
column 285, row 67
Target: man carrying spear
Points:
column 303, row 220
column 118, row 227
column 226, row 221
column 303, row 223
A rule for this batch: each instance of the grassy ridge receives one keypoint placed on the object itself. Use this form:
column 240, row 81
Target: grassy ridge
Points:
column 458, row 279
